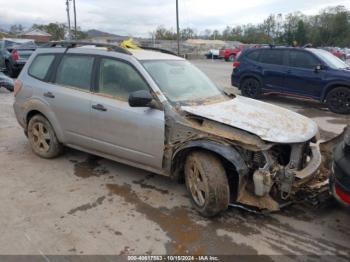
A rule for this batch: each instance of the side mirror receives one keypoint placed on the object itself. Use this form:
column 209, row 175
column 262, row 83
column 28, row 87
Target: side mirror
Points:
column 141, row 98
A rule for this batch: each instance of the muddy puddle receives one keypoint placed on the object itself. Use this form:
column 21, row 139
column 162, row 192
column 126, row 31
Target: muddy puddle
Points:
column 235, row 232
column 187, row 236
column 89, row 167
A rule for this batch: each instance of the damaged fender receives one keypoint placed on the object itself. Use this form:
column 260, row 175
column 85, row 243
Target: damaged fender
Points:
column 226, row 151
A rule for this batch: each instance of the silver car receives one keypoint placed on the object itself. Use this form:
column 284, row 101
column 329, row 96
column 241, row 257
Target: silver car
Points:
column 158, row 112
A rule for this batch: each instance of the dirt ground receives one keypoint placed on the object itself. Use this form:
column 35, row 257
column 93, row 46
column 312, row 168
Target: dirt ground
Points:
column 82, row 204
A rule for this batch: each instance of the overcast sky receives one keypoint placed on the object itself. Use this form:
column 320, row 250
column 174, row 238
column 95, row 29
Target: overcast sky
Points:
column 140, row 17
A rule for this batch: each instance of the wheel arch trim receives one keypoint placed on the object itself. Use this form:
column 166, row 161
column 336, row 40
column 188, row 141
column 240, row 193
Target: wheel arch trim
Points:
column 331, row 86
column 226, row 151
column 36, row 105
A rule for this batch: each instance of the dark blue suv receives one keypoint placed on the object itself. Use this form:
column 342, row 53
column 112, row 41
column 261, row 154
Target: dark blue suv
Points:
column 301, row 72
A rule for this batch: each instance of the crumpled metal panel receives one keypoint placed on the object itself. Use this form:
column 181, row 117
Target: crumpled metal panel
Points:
column 269, row 122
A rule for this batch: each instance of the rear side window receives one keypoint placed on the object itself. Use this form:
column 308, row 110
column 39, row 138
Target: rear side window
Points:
column 273, row 57
column 40, row 66
column 302, row 60
column 254, row 55
column 75, row 71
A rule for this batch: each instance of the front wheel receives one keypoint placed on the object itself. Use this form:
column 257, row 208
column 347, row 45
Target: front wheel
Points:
column 338, row 100
column 207, row 183
column 42, row 138
column 231, row 58
column 251, row 87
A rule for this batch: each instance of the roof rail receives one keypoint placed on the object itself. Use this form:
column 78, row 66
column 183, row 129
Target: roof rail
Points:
column 159, row 50
column 74, row 44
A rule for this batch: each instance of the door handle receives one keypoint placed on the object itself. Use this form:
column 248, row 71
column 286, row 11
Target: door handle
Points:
column 99, row 107
column 49, row 95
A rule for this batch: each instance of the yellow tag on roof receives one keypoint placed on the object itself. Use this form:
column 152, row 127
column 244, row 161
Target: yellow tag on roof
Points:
column 129, row 44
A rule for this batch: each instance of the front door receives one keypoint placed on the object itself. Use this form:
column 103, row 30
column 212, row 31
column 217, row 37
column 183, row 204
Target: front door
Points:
column 134, row 134
column 301, row 77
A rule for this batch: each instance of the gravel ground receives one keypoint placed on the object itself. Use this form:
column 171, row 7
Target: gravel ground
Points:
column 82, row 204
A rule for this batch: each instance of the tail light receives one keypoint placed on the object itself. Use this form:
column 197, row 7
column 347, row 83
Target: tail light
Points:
column 236, row 64
column 342, row 195
column 17, row 87
column 15, row 55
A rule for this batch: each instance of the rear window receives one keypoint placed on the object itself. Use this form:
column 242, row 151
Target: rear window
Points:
column 75, row 71
column 273, row 57
column 40, row 66
column 254, row 55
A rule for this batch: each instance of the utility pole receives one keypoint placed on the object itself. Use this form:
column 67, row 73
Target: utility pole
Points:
column 178, row 27
column 75, row 21
column 68, row 16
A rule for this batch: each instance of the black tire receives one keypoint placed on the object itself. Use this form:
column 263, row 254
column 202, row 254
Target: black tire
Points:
column 251, row 87
column 11, row 71
column 207, row 183
column 231, row 58
column 42, row 138
column 338, row 100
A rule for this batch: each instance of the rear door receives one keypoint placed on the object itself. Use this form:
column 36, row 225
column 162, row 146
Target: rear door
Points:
column 134, row 134
column 69, row 97
column 301, row 76
column 273, row 67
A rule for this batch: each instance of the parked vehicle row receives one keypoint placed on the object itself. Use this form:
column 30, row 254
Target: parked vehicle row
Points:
column 302, row 72
column 338, row 52
column 14, row 53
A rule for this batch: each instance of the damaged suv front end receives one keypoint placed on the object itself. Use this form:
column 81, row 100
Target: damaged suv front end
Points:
column 279, row 148
column 270, row 154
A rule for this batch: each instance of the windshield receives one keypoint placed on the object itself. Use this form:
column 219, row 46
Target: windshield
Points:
column 182, row 82
column 331, row 60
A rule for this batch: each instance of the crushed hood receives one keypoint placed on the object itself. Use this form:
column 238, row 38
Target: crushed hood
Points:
column 269, row 122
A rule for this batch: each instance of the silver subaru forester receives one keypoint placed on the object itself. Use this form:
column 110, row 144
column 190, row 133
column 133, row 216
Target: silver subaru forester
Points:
column 158, row 112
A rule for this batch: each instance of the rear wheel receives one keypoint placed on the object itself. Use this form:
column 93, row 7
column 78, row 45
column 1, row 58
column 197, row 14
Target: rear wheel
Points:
column 231, row 58
column 338, row 100
column 251, row 87
column 42, row 138
column 207, row 183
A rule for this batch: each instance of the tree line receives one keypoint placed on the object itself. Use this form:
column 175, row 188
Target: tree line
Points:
column 330, row 27
column 58, row 31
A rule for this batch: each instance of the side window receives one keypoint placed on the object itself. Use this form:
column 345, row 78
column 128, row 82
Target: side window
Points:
column 75, row 71
column 40, row 66
column 253, row 55
column 119, row 79
column 302, row 60
column 271, row 56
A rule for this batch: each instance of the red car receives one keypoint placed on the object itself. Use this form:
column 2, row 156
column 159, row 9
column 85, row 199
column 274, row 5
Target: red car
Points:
column 337, row 52
column 229, row 54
